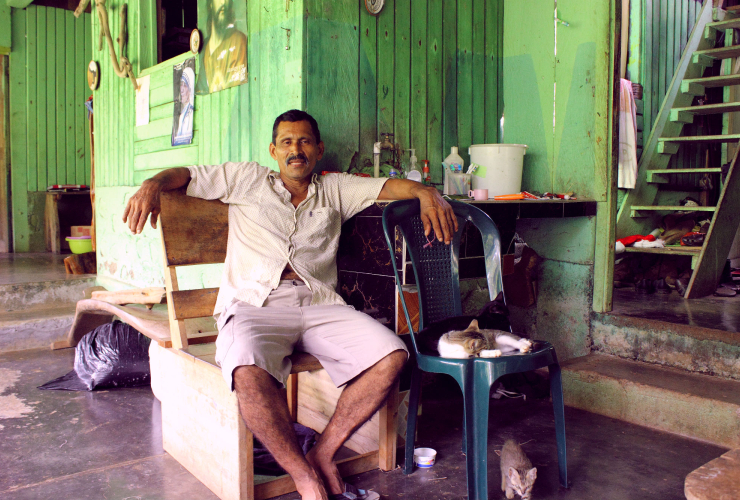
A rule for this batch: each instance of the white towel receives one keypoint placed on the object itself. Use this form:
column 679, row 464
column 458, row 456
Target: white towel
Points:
column 627, row 176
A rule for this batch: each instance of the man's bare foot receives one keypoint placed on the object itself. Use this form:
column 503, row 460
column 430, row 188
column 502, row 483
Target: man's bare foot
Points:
column 311, row 489
column 327, row 469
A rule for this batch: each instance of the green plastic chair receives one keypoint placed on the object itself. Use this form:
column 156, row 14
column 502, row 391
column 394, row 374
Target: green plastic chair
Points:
column 436, row 268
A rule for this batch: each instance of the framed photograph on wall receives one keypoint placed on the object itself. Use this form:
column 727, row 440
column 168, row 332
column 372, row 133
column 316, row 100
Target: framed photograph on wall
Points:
column 223, row 53
column 183, row 84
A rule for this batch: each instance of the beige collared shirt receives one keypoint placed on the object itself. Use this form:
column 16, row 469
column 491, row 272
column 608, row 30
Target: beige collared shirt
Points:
column 266, row 232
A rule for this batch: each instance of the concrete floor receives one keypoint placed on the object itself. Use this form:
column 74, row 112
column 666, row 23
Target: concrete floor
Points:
column 718, row 313
column 107, row 445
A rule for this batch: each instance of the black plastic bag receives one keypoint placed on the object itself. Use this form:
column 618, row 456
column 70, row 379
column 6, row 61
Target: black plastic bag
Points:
column 112, row 355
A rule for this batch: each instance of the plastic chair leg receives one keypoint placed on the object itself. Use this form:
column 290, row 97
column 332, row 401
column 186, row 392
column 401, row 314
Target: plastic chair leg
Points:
column 556, row 389
column 477, row 400
column 414, row 393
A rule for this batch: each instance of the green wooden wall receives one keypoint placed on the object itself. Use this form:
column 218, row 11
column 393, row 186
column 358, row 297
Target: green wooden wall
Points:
column 231, row 125
column 49, row 141
column 4, row 28
column 557, row 93
column 428, row 71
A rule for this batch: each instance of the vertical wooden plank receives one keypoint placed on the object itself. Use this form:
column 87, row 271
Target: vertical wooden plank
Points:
column 500, row 56
column 69, row 76
column 449, row 65
column 386, row 63
column 464, row 73
column 419, row 97
column 40, row 117
column 79, row 100
column 61, row 96
column 435, row 82
column 672, row 57
column 49, row 111
column 5, row 236
column 368, row 86
column 89, row 18
column 402, row 99
column 31, row 110
column 656, row 62
column 662, row 49
column 18, row 119
column 491, row 76
column 478, row 76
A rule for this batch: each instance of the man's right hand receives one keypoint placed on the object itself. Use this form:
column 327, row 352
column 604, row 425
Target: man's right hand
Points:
column 145, row 201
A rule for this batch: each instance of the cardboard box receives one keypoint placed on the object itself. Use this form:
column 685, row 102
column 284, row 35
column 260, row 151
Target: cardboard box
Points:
column 80, row 231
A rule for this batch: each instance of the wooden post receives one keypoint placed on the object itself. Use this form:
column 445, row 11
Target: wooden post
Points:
column 387, row 431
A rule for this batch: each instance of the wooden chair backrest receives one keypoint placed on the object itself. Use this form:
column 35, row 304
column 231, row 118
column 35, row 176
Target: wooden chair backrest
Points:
column 194, row 231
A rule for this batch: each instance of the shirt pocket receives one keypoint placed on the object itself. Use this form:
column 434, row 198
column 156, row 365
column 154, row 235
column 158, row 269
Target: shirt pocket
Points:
column 320, row 228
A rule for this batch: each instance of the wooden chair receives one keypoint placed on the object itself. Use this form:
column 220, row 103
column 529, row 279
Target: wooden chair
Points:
column 201, row 425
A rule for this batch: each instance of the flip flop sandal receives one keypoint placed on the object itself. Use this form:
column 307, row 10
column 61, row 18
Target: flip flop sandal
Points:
column 352, row 493
column 725, row 292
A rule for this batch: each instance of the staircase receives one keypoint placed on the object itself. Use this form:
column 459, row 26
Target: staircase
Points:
column 639, row 214
column 37, row 300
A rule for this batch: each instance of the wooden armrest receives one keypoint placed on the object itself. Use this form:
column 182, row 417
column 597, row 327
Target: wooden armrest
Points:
column 151, row 295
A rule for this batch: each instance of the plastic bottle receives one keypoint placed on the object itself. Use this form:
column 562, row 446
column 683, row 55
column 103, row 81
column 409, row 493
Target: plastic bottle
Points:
column 454, row 158
column 414, row 174
column 426, row 179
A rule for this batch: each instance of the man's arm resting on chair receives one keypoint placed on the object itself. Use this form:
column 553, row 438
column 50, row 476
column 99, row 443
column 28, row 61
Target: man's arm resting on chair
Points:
column 436, row 213
column 145, row 201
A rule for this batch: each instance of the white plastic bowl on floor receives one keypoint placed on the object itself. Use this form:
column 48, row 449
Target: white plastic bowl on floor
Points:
column 424, row 457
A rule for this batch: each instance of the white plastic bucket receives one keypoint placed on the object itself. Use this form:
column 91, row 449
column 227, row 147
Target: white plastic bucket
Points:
column 500, row 168
column 424, row 457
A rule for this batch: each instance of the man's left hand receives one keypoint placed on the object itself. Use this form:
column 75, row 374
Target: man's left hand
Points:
column 437, row 214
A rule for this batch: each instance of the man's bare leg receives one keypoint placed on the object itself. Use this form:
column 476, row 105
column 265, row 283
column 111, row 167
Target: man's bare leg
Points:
column 264, row 409
column 360, row 399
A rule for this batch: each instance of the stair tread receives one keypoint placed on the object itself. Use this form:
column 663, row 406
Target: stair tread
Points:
column 726, row 24
column 661, row 377
column 672, row 208
column 709, row 109
column 685, row 170
column 702, row 138
column 670, row 250
column 720, row 52
column 716, row 81
column 36, row 314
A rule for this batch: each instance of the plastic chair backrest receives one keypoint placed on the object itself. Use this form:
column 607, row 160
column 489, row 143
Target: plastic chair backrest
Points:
column 436, row 265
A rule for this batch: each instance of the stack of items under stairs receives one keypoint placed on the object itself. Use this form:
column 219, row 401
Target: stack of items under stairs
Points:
column 645, row 214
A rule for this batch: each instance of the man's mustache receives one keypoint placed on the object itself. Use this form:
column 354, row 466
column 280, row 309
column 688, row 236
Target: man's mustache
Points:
column 299, row 156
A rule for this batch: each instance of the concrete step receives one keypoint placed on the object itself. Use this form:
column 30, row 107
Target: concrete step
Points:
column 691, row 348
column 666, row 399
column 43, row 294
column 34, row 329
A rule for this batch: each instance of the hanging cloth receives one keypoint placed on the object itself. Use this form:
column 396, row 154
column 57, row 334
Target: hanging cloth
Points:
column 627, row 176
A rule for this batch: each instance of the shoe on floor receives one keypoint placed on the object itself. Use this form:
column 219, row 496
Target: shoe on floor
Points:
column 661, row 286
column 681, row 285
column 352, row 493
column 644, row 286
column 725, row 292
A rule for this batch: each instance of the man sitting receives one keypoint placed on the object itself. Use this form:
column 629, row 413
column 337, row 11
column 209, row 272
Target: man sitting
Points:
column 278, row 290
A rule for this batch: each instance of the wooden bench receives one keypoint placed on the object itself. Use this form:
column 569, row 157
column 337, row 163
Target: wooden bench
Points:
column 715, row 480
column 201, row 425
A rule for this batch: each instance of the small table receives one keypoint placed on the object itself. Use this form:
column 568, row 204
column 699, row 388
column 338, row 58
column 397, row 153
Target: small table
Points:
column 63, row 210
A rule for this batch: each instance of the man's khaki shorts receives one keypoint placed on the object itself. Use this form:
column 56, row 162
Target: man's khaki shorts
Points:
column 345, row 341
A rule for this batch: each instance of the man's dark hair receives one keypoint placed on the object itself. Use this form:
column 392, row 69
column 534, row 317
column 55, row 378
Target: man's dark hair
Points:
column 296, row 115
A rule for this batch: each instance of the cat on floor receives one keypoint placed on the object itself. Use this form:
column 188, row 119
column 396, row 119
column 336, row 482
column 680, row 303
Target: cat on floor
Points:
column 474, row 341
column 517, row 473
